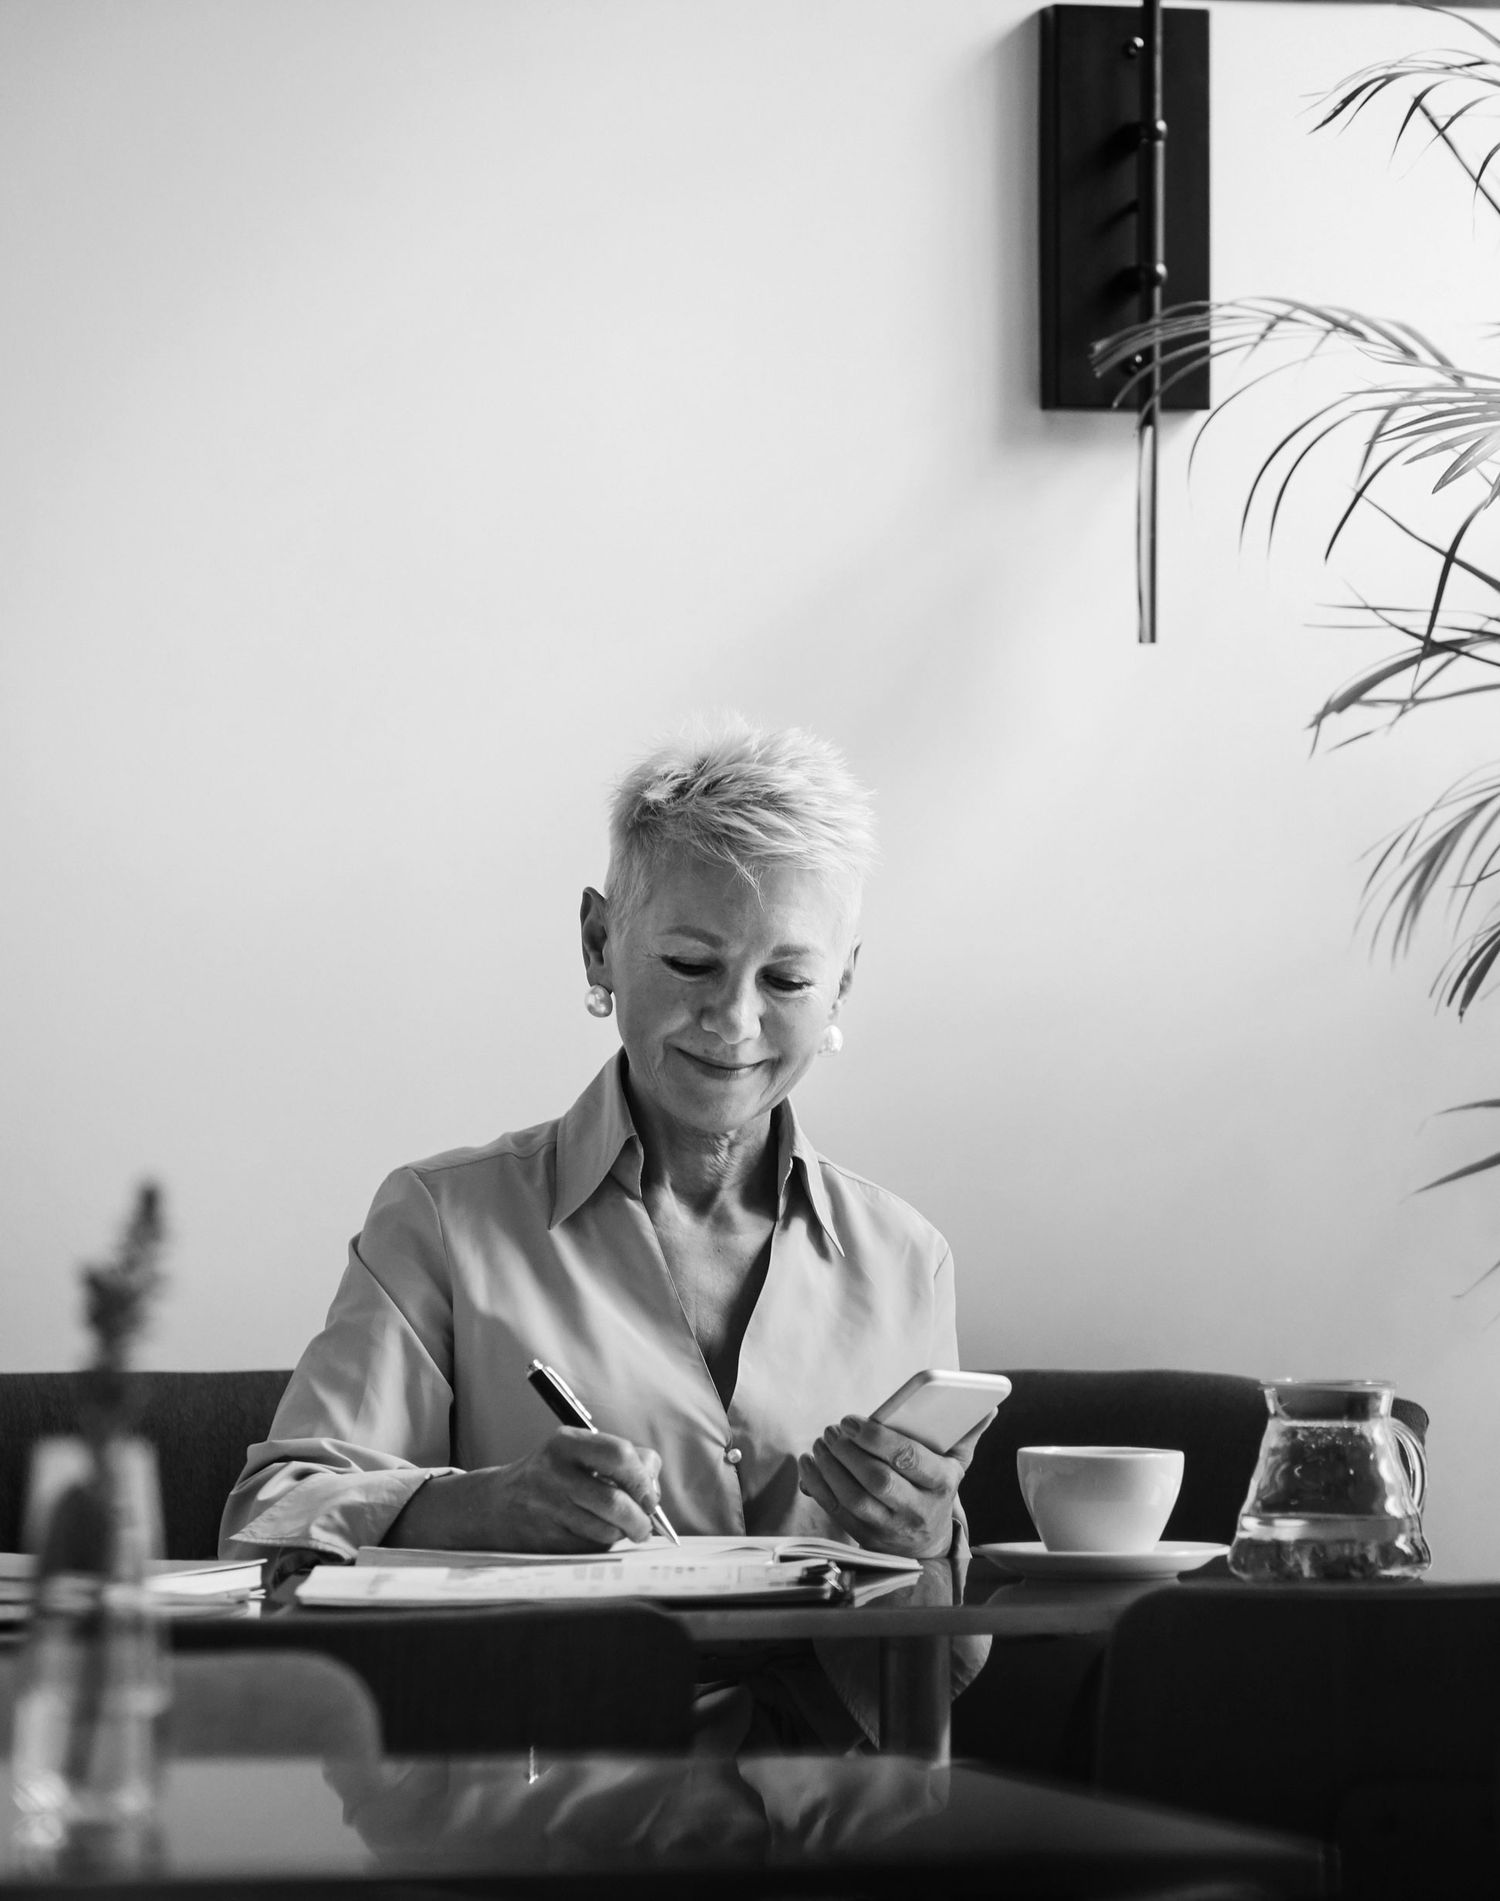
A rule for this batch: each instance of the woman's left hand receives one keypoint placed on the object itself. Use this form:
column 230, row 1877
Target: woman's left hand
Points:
column 888, row 1492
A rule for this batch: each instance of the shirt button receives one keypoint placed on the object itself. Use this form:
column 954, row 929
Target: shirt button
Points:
column 732, row 1455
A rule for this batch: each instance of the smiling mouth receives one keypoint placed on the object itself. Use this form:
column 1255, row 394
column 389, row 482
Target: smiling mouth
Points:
column 719, row 1069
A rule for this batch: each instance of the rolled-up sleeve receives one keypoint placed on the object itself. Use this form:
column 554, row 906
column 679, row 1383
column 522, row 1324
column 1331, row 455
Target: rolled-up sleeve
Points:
column 366, row 1418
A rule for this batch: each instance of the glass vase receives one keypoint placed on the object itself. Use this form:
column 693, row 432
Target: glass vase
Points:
column 92, row 1688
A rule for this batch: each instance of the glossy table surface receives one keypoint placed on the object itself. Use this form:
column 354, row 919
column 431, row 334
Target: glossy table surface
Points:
column 769, row 1824
column 995, row 1603
column 911, row 1630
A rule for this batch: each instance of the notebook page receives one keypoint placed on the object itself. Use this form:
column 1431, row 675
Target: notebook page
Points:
column 395, row 1585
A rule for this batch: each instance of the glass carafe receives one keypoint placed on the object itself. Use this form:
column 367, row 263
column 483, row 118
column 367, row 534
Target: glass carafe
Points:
column 1338, row 1487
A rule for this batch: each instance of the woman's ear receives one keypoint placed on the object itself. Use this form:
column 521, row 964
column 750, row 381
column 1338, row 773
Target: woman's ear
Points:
column 848, row 973
column 593, row 926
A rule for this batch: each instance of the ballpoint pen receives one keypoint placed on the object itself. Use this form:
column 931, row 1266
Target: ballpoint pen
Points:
column 560, row 1398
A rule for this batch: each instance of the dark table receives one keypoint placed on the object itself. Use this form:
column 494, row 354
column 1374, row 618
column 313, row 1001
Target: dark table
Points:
column 765, row 1826
column 915, row 1637
column 913, row 1631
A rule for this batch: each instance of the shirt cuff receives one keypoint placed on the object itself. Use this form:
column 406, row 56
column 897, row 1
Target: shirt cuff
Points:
column 332, row 1512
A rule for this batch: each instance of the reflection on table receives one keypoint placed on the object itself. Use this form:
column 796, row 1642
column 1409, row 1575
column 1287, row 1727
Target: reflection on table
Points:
column 866, row 1825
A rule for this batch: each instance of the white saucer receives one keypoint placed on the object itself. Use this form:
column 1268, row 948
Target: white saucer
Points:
column 1161, row 1561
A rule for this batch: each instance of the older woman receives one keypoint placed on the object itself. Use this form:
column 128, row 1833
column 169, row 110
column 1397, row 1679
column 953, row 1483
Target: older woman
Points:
column 730, row 1304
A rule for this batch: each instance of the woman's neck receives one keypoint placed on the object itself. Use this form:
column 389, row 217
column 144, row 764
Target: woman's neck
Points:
column 725, row 1173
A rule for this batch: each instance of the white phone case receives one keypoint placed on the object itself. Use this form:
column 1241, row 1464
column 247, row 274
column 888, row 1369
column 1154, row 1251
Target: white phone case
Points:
column 937, row 1407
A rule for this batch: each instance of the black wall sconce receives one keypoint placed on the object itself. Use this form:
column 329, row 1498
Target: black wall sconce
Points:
column 1124, row 214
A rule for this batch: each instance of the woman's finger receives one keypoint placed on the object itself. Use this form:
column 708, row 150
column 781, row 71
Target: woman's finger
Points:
column 870, row 1507
column 929, row 1471
column 570, row 1511
column 872, row 1475
column 631, row 1470
column 816, row 1488
column 618, row 1509
column 906, row 1528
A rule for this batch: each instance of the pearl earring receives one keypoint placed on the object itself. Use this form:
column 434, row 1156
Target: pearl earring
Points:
column 598, row 1002
column 833, row 1041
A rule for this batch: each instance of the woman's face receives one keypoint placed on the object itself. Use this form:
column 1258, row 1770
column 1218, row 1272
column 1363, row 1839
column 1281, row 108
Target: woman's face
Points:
column 724, row 993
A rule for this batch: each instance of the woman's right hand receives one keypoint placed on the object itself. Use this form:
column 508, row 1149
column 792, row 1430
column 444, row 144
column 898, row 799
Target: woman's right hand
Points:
column 579, row 1491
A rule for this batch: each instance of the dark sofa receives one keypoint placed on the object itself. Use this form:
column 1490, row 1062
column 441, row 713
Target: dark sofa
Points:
column 201, row 1424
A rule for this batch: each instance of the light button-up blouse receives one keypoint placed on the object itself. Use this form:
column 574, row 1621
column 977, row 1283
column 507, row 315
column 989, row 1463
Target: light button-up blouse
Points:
column 539, row 1245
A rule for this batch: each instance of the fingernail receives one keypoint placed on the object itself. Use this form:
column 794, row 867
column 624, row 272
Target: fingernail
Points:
column 833, row 1433
column 850, row 1423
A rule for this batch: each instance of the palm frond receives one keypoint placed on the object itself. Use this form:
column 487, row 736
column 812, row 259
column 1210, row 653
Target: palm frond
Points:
column 1438, row 640
column 1368, row 476
column 1467, row 567
column 1458, row 1174
column 1450, row 557
column 1462, row 980
column 1423, row 407
column 1410, row 412
column 1363, row 691
column 1427, row 76
column 1451, row 851
column 1451, row 13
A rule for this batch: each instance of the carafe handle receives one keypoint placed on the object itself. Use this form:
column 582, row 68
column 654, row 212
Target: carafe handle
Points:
column 1409, row 1446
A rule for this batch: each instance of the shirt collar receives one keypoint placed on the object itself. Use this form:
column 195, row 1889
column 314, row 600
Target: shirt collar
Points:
column 795, row 1152
column 595, row 1135
column 597, row 1138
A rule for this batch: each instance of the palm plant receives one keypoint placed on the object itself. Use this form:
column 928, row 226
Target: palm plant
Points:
column 1409, row 409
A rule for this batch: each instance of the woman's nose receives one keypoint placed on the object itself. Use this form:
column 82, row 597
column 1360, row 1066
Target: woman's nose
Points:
column 733, row 1013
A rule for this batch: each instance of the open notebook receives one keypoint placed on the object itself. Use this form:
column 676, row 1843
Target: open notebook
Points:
column 693, row 1548
column 702, row 1570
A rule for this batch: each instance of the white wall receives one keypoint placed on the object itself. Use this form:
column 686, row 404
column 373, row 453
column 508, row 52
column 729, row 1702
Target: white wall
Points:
column 407, row 410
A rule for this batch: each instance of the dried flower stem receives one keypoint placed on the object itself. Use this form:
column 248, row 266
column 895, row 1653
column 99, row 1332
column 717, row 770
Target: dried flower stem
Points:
column 117, row 1296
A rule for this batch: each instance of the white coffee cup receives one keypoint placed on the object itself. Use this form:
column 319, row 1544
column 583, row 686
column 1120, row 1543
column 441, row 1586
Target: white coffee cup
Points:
column 1099, row 1498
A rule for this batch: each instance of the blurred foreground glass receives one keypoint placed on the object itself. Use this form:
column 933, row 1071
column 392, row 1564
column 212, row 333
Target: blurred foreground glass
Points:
column 93, row 1676
column 1338, row 1488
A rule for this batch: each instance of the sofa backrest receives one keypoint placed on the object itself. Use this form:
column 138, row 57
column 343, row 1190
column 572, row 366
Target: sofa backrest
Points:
column 200, row 1423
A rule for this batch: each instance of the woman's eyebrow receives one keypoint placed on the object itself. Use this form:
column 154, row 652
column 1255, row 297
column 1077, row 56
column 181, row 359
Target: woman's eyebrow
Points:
column 693, row 931
column 715, row 942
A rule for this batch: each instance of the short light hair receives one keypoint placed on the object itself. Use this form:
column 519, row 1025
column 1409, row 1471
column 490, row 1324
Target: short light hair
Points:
column 734, row 795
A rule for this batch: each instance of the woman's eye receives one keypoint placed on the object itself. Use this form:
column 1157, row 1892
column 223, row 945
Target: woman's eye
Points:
column 789, row 985
column 685, row 967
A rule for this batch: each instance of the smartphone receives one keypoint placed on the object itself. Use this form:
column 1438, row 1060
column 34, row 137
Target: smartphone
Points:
column 937, row 1407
